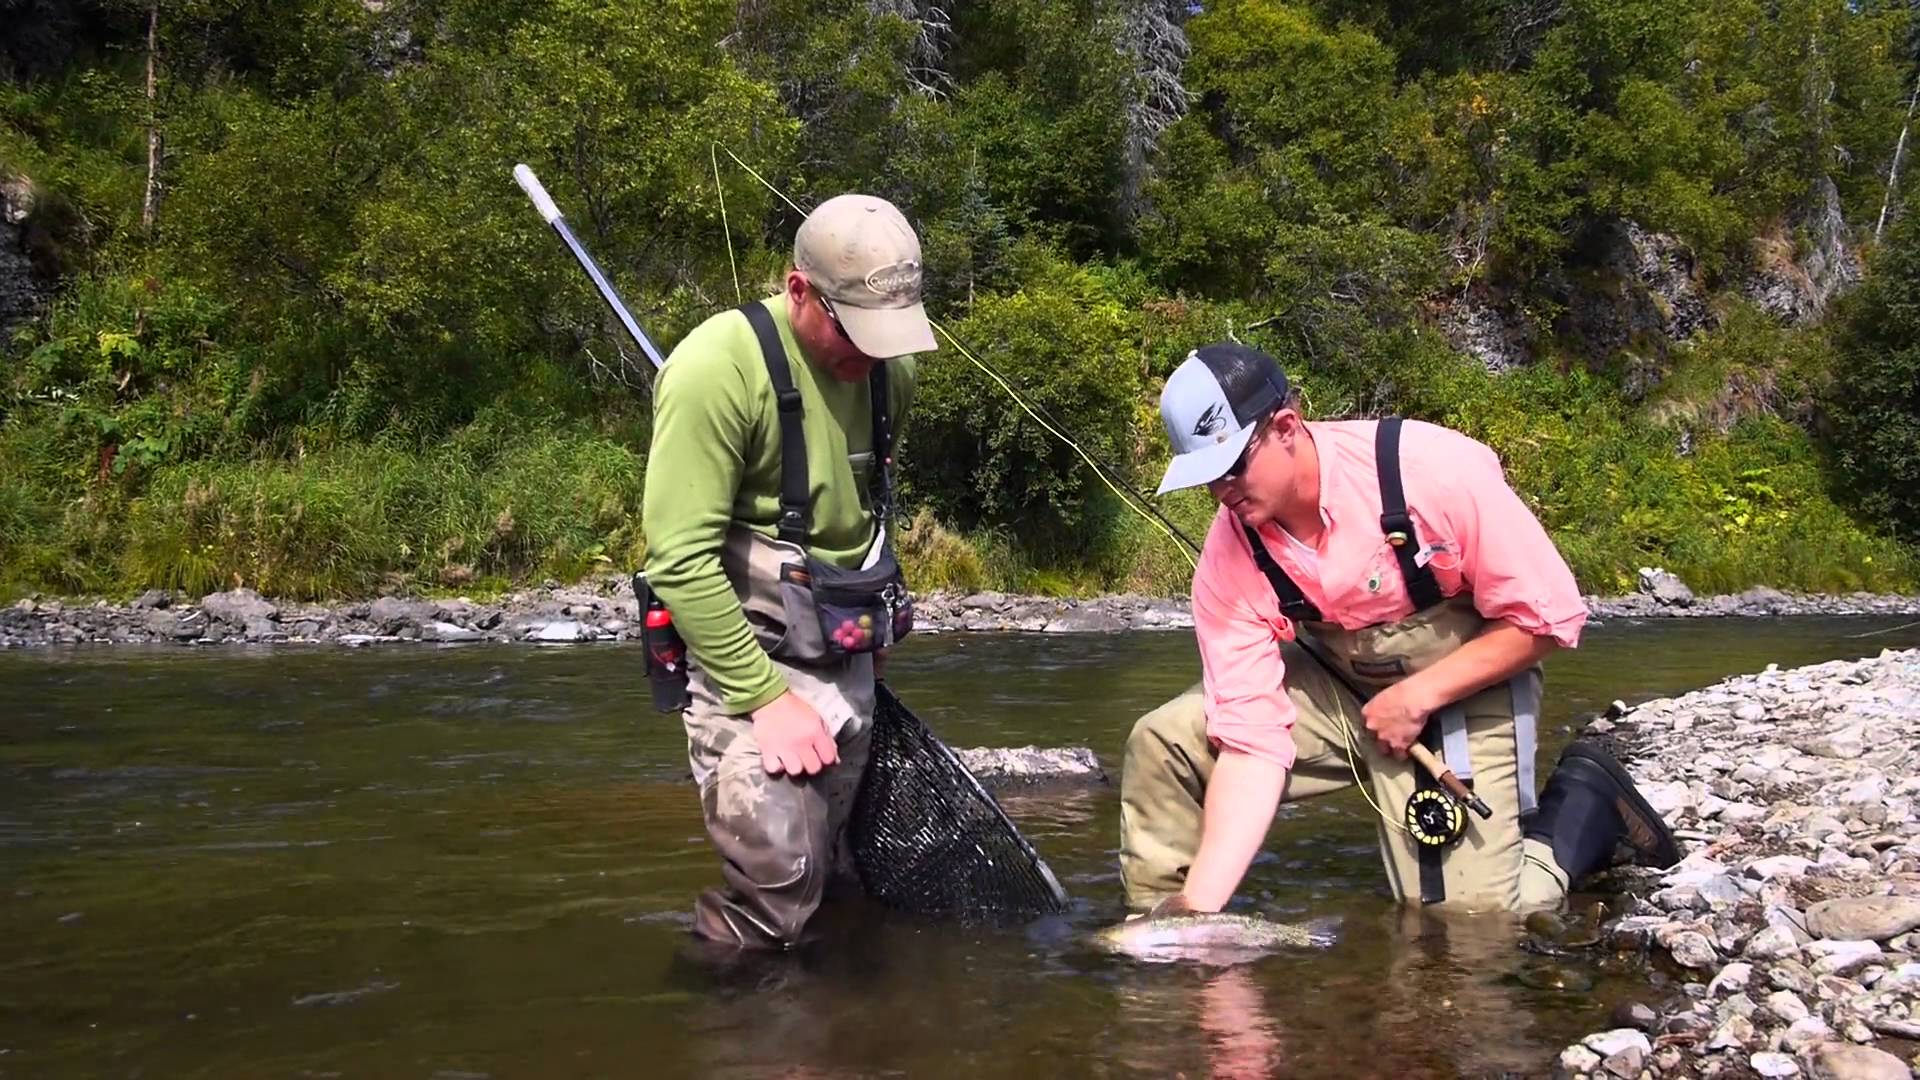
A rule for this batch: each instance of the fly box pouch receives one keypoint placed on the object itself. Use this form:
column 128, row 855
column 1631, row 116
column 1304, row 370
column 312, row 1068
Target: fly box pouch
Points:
column 806, row 611
column 858, row 611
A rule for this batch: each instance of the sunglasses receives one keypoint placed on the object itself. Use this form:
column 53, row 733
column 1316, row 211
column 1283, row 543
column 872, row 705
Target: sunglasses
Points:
column 835, row 316
column 1239, row 467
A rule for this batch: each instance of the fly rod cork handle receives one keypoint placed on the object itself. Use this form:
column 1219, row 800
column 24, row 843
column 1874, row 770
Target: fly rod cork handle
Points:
column 536, row 191
column 1449, row 781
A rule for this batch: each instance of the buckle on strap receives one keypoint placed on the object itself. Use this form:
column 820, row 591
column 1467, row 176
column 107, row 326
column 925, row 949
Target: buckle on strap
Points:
column 1398, row 525
column 788, row 400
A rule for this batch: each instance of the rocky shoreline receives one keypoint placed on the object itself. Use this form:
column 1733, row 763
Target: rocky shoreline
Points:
column 602, row 610
column 1788, row 939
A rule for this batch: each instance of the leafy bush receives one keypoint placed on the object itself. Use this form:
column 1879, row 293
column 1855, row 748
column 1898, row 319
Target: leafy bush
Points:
column 1874, row 402
column 976, row 457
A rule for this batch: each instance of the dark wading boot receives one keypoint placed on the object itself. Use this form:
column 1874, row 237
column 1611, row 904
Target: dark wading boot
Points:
column 1589, row 805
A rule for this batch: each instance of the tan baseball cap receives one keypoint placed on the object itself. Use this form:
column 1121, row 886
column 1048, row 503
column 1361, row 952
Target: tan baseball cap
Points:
column 861, row 254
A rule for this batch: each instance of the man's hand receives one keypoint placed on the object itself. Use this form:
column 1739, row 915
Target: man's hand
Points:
column 792, row 737
column 1396, row 715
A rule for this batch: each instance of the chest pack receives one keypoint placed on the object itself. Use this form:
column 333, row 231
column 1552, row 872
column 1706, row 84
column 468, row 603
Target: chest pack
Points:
column 831, row 613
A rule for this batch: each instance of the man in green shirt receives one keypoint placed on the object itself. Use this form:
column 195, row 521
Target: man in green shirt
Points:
column 778, row 743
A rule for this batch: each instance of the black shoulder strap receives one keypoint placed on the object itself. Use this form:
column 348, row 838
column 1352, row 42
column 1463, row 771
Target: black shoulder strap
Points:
column 794, row 504
column 882, row 483
column 1396, row 522
column 1293, row 603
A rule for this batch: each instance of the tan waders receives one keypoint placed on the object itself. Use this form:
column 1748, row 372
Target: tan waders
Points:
column 1168, row 763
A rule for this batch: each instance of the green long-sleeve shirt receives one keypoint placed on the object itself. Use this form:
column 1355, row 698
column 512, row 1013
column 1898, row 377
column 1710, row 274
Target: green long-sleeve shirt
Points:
column 715, row 461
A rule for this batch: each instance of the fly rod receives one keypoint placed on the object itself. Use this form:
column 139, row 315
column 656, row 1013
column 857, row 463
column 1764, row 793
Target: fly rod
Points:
column 544, row 203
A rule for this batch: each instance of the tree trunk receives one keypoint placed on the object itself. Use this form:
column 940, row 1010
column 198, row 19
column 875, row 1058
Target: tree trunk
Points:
column 1893, row 170
column 153, row 121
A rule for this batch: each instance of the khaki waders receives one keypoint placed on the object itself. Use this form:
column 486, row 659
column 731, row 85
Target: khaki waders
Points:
column 1169, row 761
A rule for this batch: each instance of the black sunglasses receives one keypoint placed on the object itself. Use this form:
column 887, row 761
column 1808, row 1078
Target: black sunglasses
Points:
column 834, row 315
column 1239, row 467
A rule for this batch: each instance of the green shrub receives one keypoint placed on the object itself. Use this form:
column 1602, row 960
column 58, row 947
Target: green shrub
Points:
column 1874, row 402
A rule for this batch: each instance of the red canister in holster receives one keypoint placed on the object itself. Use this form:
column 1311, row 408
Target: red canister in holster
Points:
column 666, row 652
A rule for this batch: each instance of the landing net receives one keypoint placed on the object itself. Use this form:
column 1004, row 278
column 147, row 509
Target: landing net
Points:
column 929, row 840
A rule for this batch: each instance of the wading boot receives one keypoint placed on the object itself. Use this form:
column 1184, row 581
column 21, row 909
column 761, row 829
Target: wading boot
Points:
column 1589, row 805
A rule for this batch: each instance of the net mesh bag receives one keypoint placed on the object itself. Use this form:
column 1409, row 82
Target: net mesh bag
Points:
column 928, row 839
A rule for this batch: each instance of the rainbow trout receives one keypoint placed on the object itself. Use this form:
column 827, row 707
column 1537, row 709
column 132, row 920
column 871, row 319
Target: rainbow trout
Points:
column 1211, row 937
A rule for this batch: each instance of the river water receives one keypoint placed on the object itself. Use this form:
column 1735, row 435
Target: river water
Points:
column 478, row 862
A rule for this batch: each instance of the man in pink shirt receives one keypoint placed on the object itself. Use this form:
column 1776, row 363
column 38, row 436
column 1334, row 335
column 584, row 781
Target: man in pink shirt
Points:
column 1365, row 586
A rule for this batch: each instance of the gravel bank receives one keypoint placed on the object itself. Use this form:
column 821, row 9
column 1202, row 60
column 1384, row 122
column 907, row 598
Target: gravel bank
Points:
column 1789, row 929
column 602, row 610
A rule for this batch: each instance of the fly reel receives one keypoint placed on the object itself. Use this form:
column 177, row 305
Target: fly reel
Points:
column 1435, row 818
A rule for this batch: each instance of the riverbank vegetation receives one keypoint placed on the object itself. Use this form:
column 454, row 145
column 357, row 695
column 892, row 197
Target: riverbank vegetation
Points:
column 301, row 332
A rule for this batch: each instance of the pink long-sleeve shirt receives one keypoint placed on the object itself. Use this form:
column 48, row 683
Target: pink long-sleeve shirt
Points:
column 1473, row 531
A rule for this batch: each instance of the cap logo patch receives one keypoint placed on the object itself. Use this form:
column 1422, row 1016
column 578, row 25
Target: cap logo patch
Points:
column 1211, row 421
column 893, row 278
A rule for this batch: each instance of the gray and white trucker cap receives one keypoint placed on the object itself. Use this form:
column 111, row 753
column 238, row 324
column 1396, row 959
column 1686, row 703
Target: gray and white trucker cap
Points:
column 1210, row 405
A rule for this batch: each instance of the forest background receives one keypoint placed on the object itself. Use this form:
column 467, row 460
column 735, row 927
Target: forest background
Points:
column 275, row 314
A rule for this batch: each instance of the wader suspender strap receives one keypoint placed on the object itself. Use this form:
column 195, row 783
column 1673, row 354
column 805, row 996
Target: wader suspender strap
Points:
column 1293, row 603
column 1396, row 522
column 1449, row 725
column 794, row 502
column 794, row 509
column 882, row 409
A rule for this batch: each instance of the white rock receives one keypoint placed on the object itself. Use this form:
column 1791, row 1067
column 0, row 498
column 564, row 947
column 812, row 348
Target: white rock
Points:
column 1841, row 957
column 446, row 631
column 1668, row 798
column 1732, row 979
column 1806, row 1032
column 1721, row 890
column 1773, row 866
column 1772, row 943
column 1787, row 1006
column 1693, row 869
column 1871, row 788
column 559, row 631
column 1735, row 812
column 1609, row 1043
column 1579, row 1059
column 1750, row 712
column 1769, row 1063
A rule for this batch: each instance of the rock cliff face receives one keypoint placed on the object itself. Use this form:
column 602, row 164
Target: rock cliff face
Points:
column 1797, row 286
column 1641, row 292
column 23, row 290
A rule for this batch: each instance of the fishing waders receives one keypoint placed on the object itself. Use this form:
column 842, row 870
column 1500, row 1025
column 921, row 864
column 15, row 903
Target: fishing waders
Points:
column 1523, row 857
